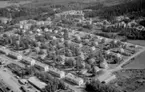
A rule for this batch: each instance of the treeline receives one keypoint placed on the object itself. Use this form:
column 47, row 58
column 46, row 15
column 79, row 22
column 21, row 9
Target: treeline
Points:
column 136, row 8
column 142, row 23
column 21, row 13
column 96, row 86
column 131, row 33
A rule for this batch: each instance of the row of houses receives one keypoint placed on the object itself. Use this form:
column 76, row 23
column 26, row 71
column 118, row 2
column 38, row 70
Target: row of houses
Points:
column 54, row 71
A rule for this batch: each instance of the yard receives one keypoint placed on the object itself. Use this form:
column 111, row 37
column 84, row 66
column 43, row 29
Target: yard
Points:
column 139, row 61
column 138, row 42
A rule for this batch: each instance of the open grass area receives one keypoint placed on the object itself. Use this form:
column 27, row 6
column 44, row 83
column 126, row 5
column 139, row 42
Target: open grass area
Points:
column 141, row 89
column 137, row 63
column 138, row 42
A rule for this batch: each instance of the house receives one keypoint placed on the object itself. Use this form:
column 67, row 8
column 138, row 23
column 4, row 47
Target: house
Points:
column 83, row 71
column 93, row 48
column 97, row 69
column 15, row 55
column 42, row 66
column 108, row 52
column 104, row 64
column 29, row 60
column 37, row 83
column 5, row 20
column 118, row 56
column 121, row 50
column 4, row 50
column 74, row 79
column 80, row 45
column 109, row 79
column 56, row 72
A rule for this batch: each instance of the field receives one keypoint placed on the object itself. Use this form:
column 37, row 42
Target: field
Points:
column 141, row 89
column 139, row 61
column 139, row 42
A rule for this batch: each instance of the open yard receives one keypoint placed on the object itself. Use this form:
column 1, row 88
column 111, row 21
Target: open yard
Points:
column 141, row 89
column 137, row 63
column 138, row 42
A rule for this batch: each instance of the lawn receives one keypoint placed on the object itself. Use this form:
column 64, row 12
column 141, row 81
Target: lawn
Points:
column 141, row 89
column 137, row 63
column 138, row 42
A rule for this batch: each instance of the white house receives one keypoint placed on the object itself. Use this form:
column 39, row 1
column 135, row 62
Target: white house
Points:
column 93, row 48
column 80, row 45
column 121, row 50
column 109, row 79
column 108, row 52
column 104, row 64
column 46, row 30
column 119, row 56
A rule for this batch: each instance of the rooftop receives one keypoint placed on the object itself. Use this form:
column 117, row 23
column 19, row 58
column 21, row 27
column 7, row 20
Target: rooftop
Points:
column 36, row 82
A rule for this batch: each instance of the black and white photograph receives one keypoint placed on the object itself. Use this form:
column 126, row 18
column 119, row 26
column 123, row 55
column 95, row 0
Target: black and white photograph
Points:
column 72, row 45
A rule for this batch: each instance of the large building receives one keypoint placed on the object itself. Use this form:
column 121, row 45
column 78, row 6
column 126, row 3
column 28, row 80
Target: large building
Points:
column 11, row 54
column 37, row 83
column 74, row 79
column 42, row 66
column 56, row 72
column 29, row 60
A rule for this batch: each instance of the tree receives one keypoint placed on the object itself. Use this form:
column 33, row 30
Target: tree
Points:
column 96, row 86
column 69, row 62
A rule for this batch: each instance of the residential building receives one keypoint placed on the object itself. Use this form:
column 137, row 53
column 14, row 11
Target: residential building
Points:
column 109, row 79
column 29, row 60
column 74, row 79
column 56, row 72
column 15, row 55
column 42, row 66
column 37, row 83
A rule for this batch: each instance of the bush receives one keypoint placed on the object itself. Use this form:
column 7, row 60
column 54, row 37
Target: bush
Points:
column 96, row 86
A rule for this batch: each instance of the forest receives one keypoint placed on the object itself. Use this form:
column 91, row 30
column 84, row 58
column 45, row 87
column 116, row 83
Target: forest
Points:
column 96, row 86
column 134, row 9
